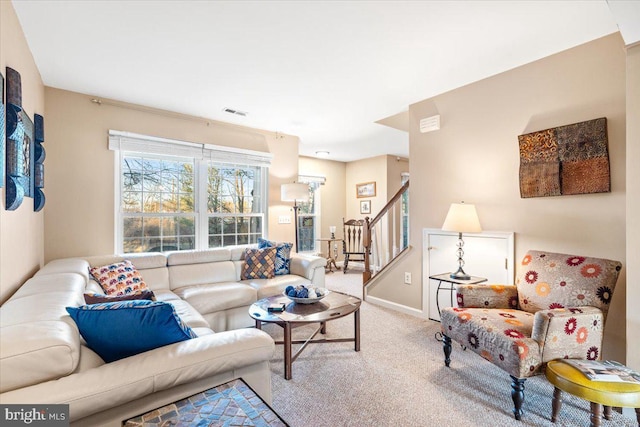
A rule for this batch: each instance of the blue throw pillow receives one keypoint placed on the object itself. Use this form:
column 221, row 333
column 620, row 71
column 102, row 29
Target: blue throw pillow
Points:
column 283, row 254
column 116, row 330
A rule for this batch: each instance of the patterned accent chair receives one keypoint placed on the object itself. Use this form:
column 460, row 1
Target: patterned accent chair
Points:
column 556, row 309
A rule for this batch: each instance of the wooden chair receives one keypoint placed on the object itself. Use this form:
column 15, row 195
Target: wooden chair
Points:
column 352, row 247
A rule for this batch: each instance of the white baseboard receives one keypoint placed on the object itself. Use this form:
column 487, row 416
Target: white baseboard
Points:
column 395, row 306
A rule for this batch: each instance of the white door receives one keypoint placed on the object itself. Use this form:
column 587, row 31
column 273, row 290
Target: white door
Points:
column 487, row 254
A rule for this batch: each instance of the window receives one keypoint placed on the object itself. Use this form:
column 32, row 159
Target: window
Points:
column 309, row 215
column 235, row 204
column 180, row 196
column 158, row 204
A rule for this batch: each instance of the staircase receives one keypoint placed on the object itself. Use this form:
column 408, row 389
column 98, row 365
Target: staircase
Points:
column 386, row 236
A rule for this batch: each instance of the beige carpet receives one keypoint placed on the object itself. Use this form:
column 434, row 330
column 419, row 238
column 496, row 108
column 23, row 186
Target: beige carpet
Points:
column 399, row 379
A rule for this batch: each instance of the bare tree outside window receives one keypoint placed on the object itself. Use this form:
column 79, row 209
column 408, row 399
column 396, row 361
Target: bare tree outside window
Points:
column 234, row 204
column 158, row 203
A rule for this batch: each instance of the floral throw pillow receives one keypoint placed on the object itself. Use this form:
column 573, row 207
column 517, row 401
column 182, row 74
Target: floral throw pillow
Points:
column 121, row 278
column 283, row 255
column 259, row 264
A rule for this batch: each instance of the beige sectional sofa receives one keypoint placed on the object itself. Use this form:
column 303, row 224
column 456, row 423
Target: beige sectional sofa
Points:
column 43, row 358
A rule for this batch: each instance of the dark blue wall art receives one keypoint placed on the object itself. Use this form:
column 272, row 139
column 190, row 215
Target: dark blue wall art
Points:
column 24, row 154
column 2, row 127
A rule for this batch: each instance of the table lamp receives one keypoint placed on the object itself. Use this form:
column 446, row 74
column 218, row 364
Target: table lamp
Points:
column 461, row 218
column 293, row 193
column 332, row 230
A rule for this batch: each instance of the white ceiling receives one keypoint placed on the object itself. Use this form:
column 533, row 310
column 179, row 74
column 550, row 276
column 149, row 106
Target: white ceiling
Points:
column 325, row 71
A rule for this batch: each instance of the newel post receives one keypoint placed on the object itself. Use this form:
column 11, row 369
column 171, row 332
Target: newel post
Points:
column 366, row 242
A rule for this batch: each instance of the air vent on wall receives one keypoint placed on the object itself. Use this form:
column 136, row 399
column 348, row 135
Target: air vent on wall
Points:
column 430, row 124
column 236, row 112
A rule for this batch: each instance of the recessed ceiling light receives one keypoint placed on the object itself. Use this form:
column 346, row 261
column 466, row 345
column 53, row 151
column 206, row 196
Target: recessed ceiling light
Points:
column 322, row 153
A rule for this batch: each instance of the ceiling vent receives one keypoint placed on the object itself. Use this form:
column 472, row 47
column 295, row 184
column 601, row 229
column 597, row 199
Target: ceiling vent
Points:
column 430, row 124
column 236, row 112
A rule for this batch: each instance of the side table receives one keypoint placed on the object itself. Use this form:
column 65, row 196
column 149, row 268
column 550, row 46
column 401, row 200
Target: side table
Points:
column 446, row 279
column 331, row 260
column 565, row 377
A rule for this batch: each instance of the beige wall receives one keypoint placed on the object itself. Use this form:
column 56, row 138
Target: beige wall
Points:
column 332, row 195
column 22, row 230
column 633, row 206
column 79, row 217
column 475, row 158
column 373, row 169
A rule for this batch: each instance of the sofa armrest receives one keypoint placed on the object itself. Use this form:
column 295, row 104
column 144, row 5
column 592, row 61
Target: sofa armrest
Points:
column 309, row 266
column 569, row 332
column 487, row 296
column 116, row 383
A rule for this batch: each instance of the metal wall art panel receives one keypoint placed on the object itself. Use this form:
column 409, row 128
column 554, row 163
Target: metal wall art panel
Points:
column 38, row 163
column 2, row 130
column 571, row 159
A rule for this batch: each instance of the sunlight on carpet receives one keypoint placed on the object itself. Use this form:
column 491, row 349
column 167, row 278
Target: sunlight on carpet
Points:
column 399, row 378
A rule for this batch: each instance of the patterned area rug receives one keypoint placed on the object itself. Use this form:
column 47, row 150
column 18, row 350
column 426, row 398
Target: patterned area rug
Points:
column 230, row 404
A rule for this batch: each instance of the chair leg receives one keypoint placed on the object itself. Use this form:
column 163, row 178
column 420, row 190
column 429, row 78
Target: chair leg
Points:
column 446, row 347
column 517, row 394
column 346, row 263
column 556, row 404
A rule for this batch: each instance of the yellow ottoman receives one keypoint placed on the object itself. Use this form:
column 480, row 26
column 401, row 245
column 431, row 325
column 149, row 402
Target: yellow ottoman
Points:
column 565, row 377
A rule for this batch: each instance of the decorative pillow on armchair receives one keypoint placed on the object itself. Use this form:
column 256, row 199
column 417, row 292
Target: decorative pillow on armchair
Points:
column 120, row 278
column 116, row 330
column 283, row 254
column 259, row 264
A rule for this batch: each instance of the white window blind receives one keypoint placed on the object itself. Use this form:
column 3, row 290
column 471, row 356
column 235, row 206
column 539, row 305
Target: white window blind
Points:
column 132, row 142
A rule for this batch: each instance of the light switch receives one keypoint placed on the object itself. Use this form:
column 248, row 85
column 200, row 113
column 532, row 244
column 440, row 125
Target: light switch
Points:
column 284, row 219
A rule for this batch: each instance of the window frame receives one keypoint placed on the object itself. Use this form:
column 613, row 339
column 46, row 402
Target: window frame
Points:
column 200, row 213
column 318, row 181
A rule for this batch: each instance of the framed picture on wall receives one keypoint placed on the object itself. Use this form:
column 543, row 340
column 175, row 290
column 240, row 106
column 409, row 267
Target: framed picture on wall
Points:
column 367, row 189
column 365, row 206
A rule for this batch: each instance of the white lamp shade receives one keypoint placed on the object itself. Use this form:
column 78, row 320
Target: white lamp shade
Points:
column 293, row 192
column 462, row 218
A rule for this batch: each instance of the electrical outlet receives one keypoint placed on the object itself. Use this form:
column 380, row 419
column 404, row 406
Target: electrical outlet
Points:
column 407, row 278
column 284, row 219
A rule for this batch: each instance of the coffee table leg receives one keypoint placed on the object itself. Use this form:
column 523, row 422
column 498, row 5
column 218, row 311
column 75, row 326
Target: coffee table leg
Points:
column 607, row 412
column 287, row 351
column 556, row 404
column 323, row 327
column 596, row 414
column 356, row 327
column 258, row 324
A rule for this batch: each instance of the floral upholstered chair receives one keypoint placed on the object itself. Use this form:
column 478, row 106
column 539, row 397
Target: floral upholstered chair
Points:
column 556, row 309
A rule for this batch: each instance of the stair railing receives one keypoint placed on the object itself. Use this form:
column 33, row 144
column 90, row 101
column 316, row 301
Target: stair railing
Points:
column 386, row 236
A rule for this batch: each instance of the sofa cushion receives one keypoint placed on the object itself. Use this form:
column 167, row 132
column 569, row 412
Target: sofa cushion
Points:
column 94, row 298
column 283, row 254
column 119, row 278
column 121, row 329
column 198, row 257
column 275, row 286
column 37, row 351
column 66, row 265
column 189, row 315
column 259, row 264
column 197, row 274
column 214, row 297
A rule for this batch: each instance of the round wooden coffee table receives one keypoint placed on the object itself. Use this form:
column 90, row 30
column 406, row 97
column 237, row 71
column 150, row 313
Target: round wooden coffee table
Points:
column 334, row 306
column 565, row 377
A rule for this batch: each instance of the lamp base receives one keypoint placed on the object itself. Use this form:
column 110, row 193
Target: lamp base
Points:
column 460, row 275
